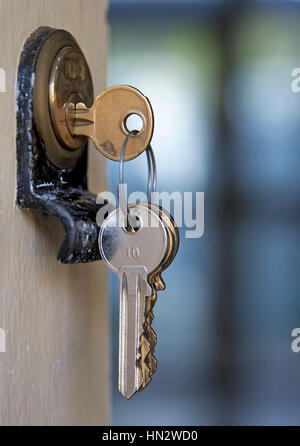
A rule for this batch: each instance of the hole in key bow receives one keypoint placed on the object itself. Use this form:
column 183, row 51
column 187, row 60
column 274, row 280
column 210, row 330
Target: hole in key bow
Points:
column 133, row 122
column 133, row 224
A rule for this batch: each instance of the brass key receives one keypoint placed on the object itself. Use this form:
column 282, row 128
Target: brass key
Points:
column 148, row 362
column 105, row 121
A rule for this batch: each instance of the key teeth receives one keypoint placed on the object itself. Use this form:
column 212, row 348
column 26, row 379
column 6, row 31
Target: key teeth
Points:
column 147, row 360
column 148, row 364
column 142, row 363
column 152, row 337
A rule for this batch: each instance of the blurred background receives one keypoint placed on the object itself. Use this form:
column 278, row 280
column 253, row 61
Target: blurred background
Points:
column 218, row 74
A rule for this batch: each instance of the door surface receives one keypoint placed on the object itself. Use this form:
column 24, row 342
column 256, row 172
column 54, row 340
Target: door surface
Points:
column 55, row 370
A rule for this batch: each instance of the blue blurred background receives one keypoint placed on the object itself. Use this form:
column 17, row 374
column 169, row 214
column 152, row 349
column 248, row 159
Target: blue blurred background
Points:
column 218, row 74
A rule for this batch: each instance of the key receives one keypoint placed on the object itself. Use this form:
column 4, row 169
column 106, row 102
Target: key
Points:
column 158, row 283
column 105, row 121
column 148, row 362
column 149, row 337
column 133, row 256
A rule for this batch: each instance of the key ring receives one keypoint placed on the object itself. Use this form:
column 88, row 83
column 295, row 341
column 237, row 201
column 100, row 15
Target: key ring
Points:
column 152, row 173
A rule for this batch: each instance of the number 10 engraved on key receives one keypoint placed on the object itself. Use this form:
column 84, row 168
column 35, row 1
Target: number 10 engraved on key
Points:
column 133, row 253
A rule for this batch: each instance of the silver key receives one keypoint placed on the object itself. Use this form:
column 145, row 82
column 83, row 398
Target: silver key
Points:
column 132, row 256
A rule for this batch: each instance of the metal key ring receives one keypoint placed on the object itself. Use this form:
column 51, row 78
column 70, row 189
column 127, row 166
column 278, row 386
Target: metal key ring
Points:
column 152, row 173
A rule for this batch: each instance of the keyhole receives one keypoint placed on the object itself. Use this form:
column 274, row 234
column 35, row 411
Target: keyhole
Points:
column 133, row 122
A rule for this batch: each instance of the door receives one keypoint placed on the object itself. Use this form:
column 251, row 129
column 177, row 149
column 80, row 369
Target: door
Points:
column 53, row 317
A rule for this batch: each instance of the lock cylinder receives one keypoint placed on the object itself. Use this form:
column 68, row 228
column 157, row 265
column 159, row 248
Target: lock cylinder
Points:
column 62, row 75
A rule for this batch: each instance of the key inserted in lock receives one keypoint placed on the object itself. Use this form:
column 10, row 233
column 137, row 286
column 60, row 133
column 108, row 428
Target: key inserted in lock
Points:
column 105, row 121
column 74, row 116
column 65, row 114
